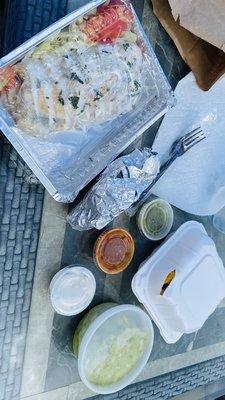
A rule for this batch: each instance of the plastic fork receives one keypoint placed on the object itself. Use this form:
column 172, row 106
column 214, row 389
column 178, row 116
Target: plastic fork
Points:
column 179, row 147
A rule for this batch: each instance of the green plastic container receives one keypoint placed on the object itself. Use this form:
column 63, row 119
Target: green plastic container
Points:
column 86, row 322
column 155, row 219
column 113, row 344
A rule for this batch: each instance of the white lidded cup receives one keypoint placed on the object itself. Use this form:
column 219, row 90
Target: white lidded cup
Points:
column 72, row 290
column 155, row 219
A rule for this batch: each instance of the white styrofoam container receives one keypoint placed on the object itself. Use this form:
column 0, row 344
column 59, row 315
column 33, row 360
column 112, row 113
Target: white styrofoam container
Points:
column 196, row 290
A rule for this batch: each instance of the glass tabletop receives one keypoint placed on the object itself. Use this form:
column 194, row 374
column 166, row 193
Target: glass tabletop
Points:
column 209, row 342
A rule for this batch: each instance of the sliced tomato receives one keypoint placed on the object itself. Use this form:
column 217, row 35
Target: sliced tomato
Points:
column 111, row 34
column 8, row 79
column 110, row 22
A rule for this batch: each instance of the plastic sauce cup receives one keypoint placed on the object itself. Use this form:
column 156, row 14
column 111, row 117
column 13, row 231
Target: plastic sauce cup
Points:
column 114, row 250
column 155, row 219
column 72, row 290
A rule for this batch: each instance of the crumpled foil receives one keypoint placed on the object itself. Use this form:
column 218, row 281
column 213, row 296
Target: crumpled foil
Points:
column 119, row 186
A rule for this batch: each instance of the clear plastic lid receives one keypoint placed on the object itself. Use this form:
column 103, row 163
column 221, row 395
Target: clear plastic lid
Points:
column 114, row 250
column 72, row 290
column 155, row 219
column 115, row 348
column 74, row 96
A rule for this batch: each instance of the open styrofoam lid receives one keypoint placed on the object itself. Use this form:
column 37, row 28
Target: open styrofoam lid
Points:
column 196, row 289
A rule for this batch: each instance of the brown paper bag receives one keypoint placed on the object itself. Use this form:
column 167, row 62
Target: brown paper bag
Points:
column 205, row 60
column 204, row 18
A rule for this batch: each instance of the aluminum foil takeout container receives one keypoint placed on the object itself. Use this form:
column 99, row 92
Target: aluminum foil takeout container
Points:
column 68, row 127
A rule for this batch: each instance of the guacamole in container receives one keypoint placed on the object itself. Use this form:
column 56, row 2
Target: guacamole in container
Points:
column 113, row 344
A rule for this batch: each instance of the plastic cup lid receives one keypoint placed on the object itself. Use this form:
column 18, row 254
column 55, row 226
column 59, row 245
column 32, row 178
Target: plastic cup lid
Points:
column 155, row 219
column 72, row 289
column 114, row 250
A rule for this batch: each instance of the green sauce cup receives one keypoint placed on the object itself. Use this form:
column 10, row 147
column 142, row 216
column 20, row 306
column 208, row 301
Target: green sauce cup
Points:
column 155, row 219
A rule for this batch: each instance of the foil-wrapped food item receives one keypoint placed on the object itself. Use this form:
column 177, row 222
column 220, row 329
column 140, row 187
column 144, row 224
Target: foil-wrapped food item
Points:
column 119, row 186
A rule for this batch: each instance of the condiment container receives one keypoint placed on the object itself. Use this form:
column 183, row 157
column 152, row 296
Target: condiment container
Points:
column 182, row 283
column 155, row 219
column 113, row 345
column 72, row 290
column 114, row 250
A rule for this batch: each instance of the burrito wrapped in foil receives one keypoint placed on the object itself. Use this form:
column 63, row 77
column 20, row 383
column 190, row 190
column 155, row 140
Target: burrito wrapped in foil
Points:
column 119, row 186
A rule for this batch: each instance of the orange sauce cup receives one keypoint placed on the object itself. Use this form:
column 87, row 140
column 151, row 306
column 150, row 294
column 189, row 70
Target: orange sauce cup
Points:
column 114, row 250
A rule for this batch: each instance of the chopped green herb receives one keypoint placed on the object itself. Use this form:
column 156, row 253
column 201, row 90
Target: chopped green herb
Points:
column 98, row 95
column 46, row 97
column 75, row 77
column 126, row 46
column 56, row 82
column 60, row 98
column 66, row 56
column 137, row 85
column 130, row 64
column 105, row 51
column 74, row 100
column 54, row 119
